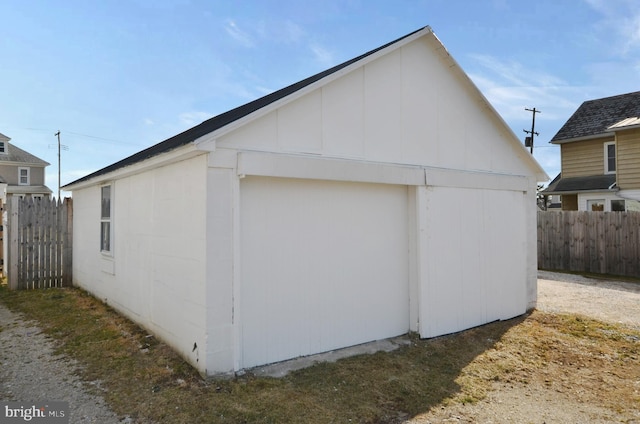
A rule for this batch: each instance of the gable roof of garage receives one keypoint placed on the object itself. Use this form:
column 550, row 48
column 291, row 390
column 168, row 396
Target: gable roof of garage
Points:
column 225, row 120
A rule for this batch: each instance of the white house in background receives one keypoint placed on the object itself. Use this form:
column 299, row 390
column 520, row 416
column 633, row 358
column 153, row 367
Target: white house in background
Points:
column 332, row 212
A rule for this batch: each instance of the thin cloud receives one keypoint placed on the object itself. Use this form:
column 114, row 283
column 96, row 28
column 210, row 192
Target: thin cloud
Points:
column 193, row 118
column 264, row 90
column 620, row 18
column 510, row 86
column 237, row 34
column 282, row 32
column 630, row 30
column 322, row 55
column 293, row 32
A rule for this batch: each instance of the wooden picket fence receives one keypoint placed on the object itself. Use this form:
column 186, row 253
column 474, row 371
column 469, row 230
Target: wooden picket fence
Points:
column 38, row 236
column 595, row 242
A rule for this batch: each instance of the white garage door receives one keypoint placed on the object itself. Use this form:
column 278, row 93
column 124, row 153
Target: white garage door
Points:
column 324, row 266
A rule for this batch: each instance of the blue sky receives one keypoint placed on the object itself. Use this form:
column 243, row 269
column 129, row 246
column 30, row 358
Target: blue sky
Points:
column 117, row 76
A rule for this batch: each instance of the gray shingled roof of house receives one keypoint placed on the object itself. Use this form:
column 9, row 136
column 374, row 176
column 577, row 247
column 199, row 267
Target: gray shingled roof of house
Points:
column 16, row 154
column 593, row 117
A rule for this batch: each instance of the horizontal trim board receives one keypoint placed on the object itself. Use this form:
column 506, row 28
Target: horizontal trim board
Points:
column 323, row 168
column 475, row 179
column 583, row 138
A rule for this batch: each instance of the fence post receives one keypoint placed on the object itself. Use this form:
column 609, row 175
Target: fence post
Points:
column 67, row 273
column 12, row 251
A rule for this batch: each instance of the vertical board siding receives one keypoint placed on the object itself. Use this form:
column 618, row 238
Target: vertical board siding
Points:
column 339, row 275
column 39, row 232
column 597, row 242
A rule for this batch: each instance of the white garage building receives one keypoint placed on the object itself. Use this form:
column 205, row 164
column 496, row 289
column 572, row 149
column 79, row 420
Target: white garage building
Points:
column 382, row 196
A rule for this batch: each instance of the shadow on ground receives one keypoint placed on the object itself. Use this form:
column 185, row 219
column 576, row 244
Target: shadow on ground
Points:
column 390, row 387
column 151, row 383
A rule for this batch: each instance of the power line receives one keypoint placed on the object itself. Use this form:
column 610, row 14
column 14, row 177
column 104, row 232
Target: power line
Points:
column 75, row 133
column 97, row 138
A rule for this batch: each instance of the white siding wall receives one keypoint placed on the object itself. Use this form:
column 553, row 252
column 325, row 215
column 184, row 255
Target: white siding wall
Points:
column 223, row 270
column 324, row 266
column 157, row 272
column 474, row 260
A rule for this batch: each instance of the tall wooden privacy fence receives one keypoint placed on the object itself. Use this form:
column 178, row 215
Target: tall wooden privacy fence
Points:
column 38, row 237
column 598, row 242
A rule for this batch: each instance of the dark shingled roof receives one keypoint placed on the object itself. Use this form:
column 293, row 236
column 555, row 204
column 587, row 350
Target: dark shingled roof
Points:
column 593, row 117
column 228, row 117
column 561, row 185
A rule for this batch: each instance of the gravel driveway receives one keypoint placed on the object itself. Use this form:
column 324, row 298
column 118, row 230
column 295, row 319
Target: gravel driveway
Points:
column 30, row 371
column 605, row 300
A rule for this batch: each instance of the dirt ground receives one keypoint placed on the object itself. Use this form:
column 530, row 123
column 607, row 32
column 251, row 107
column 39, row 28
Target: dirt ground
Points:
column 536, row 402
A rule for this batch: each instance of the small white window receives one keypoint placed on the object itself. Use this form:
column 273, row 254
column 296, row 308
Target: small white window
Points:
column 23, row 176
column 105, row 220
column 3, row 147
column 610, row 158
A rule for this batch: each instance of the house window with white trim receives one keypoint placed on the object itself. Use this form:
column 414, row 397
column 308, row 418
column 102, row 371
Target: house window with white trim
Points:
column 618, row 205
column 610, row 158
column 3, row 147
column 23, row 176
column 105, row 219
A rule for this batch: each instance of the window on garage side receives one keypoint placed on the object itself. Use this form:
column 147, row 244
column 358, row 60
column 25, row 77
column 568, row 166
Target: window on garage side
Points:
column 105, row 219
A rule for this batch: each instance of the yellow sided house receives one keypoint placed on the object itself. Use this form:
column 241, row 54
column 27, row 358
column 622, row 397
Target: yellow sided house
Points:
column 381, row 196
column 600, row 156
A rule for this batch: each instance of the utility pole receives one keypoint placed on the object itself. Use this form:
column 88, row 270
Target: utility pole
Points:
column 528, row 141
column 58, row 135
column 60, row 147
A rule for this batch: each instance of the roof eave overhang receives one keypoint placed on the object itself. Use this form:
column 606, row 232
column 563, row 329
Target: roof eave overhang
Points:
column 19, row 163
column 614, row 190
column 176, row 155
column 626, row 127
column 27, row 189
column 583, row 138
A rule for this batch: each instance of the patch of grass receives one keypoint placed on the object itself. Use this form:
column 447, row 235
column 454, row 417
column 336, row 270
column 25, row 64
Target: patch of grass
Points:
column 143, row 378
